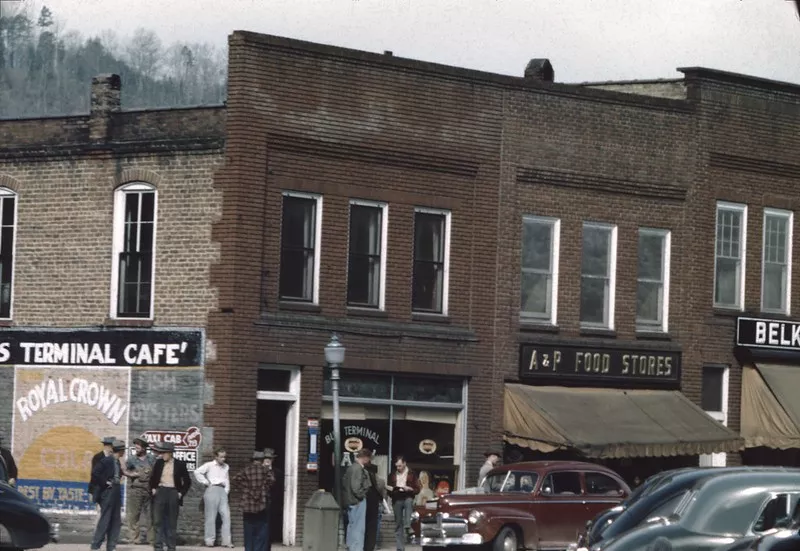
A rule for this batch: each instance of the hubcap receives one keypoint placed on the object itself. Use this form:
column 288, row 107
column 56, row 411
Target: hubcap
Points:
column 510, row 543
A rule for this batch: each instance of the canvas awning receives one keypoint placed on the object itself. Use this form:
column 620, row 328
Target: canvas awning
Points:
column 770, row 406
column 612, row 423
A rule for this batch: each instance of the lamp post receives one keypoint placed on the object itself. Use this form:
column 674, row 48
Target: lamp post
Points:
column 334, row 357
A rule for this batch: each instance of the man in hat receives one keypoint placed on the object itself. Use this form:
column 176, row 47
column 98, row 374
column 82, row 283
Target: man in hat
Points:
column 8, row 467
column 106, row 475
column 169, row 483
column 492, row 460
column 255, row 482
column 138, row 468
column 108, row 443
column 214, row 476
column 277, row 481
column 355, row 485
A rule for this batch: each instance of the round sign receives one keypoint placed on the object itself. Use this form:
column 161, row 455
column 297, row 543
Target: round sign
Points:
column 427, row 446
column 353, row 444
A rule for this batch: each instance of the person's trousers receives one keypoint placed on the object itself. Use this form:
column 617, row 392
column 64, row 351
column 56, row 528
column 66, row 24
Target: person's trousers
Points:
column 110, row 521
column 215, row 501
column 356, row 525
column 268, row 533
column 402, row 521
column 165, row 518
column 139, row 516
column 255, row 531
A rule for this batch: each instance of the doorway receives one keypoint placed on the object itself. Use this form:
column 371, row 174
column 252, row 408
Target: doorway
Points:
column 277, row 427
column 271, row 433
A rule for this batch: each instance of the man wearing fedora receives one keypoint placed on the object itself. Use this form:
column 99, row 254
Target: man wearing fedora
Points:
column 139, row 466
column 492, row 460
column 8, row 467
column 169, row 483
column 254, row 483
column 214, row 476
column 108, row 493
column 107, row 450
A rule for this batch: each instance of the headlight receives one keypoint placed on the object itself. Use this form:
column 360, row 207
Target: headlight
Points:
column 415, row 516
column 474, row 516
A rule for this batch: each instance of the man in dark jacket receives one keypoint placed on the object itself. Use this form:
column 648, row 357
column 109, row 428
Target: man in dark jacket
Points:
column 169, row 484
column 8, row 467
column 107, row 450
column 108, row 493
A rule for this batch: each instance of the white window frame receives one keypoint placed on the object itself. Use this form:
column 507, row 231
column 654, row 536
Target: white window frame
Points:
column 742, row 209
column 612, row 275
column 5, row 192
column 117, row 244
column 789, row 216
column 718, row 459
column 555, row 248
column 666, row 257
column 317, row 242
column 446, row 265
column 384, row 248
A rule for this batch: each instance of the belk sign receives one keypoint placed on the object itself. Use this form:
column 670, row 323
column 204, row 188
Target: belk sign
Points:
column 767, row 333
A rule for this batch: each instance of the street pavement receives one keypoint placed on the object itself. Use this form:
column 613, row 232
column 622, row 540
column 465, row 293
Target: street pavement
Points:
column 125, row 547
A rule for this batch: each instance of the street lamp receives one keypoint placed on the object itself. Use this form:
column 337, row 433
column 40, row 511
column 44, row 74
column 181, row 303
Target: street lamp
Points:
column 334, row 357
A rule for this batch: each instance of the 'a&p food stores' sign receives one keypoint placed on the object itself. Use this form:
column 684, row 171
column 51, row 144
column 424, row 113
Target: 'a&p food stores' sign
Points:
column 600, row 365
column 71, row 389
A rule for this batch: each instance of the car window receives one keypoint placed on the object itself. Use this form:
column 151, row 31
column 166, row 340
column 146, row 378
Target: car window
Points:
column 512, row 481
column 775, row 513
column 562, row 484
column 601, row 484
column 669, row 506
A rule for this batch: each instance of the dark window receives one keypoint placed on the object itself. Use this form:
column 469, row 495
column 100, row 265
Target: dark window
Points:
column 601, row 484
column 276, row 380
column 429, row 258
column 7, row 227
column 515, row 481
column 364, row 267
column 298, row 248
column 711, row 397
column 566, row 483
column 361, row 385
column 136, row 256
column 418, row 389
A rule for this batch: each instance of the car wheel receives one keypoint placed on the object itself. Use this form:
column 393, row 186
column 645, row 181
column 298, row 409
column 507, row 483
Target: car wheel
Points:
column 506, row 540
column 661, row 544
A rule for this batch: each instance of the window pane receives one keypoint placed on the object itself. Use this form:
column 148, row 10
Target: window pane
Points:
column 565, row 483
column 365, row 230
column 726, row 287
column 429, row 236
column 148, row 206
column 298, row 244
column 131, row 207
column 775, row 234
column 536, row 293
column 774, row 287
column 276, row 380
column 711, row 391
column 297, row 274
column 146, row 237
column 421, row 389
column 596, row 251
column 428, row 286
column 298, row 225
column 594, row 300
column 131, row 239
column 649, row 302
column 363, row 281
column 537, row 243
column 601, row 484
column 651, row 256
column 729, row 223
column 8, row 211
column 358, row 385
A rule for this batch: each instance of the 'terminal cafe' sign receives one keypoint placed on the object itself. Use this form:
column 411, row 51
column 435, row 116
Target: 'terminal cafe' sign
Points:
column 600, row 365
column 768, row 333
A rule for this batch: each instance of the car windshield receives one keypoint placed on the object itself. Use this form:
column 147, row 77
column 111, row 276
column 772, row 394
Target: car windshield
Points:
column 511, row 481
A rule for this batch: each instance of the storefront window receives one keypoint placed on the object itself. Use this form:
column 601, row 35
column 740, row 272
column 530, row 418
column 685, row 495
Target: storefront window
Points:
column 444, row 391
column 361, row 386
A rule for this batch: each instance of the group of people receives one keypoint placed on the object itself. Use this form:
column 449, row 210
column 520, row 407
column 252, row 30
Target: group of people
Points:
column 363, row 494
column 158, row 484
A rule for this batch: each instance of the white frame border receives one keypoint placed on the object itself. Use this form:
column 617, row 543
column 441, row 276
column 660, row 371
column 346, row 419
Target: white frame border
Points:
column 666, row 266
column 317, row 242
column 555, row 257
column 612, row 274
column 789, row 216
column 384, row 248
column 446, row 276
column 7, row 192
column 742, row 208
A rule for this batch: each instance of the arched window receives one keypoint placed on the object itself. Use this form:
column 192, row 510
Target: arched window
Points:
column 8, row 237
column 133, row 268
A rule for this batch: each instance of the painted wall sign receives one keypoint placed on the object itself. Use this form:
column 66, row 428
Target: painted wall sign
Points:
column 768, row 333
column 607, row 366
column 186, row 443
column 116, row 347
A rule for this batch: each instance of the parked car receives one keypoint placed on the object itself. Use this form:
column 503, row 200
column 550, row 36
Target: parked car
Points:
column 22, row 524
column 780, row 538
column 715, row 511
column 661, row 493
column 537, row 505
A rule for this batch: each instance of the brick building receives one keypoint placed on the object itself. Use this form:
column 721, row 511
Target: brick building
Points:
column 95, row 209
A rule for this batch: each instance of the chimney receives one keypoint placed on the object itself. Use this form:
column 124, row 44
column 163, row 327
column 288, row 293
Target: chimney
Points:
column 105, row 101
column 539, row 70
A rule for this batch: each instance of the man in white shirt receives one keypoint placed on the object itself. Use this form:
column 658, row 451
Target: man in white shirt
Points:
column 492, row 459
column 214, row 476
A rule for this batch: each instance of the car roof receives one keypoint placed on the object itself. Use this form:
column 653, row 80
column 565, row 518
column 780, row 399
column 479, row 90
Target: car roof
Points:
column 549, row 466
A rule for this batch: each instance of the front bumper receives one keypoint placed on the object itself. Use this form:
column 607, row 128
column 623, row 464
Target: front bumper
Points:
column 445, row 532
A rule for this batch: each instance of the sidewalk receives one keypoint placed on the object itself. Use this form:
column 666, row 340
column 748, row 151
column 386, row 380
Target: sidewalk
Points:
column 125, row 547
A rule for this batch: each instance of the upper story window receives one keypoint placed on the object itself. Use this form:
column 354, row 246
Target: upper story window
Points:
column 366, row 268
column 8, row 236
column 731, row 240
column 652, row 295
column 300, row 244
column 431, row 261
column 134, row 245
column 776, row 261
column 598, row 275
column 539, row 288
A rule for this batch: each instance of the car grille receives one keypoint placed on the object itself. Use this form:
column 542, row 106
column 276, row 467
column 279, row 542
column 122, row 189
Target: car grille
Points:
column 443, row 527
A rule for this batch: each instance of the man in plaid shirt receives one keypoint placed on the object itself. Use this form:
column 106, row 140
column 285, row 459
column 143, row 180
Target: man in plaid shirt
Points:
column 255, row 482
